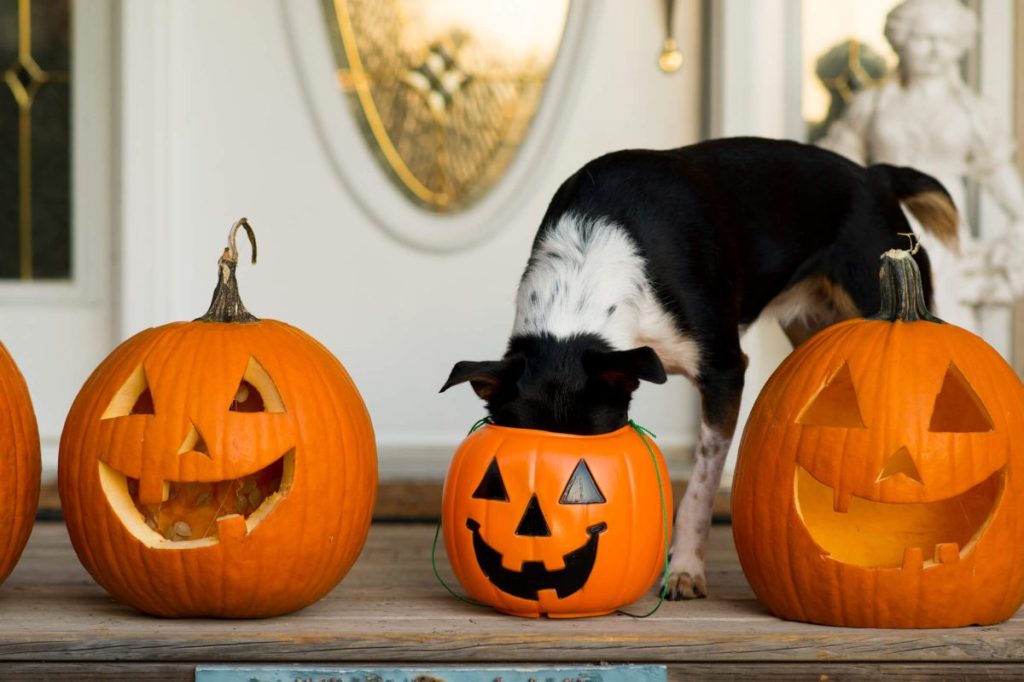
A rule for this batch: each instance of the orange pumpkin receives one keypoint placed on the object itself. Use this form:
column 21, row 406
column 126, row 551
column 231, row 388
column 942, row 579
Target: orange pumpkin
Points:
column 539, row 523
column 881, row 474
column 19, row 459
column 220, row 467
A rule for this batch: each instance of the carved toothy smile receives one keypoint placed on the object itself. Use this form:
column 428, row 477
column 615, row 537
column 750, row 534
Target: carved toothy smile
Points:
column 854, row 530
column 198, row 513
column 533, row 577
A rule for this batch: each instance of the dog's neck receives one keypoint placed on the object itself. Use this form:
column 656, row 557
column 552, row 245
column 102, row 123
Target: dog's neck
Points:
column 585, row 276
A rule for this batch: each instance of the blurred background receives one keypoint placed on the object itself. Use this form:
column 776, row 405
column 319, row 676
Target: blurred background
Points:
column 395, row 158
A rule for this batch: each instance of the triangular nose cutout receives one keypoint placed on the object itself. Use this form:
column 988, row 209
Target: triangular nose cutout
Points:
column 835, row 404
column 533, row 523
column 958, row 409
column 901, row 463
column 194, row 441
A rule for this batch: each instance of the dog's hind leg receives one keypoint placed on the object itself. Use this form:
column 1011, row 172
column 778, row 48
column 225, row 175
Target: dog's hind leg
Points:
column 720, row 383
column 809, row 306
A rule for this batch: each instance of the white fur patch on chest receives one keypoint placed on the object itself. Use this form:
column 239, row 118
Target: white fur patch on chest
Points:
column 587, row 276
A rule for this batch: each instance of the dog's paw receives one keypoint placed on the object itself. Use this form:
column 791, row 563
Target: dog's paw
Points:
column 683, row 585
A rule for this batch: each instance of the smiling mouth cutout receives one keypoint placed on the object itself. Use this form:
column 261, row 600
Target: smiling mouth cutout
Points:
column 861, row 532
column 527, row 583
column 199, row 513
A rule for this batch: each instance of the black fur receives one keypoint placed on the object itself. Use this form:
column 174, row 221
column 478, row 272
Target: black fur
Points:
column 575, row 385
column 724, row 227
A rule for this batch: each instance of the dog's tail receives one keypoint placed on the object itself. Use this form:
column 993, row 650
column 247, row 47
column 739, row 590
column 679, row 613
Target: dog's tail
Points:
column 925, row 198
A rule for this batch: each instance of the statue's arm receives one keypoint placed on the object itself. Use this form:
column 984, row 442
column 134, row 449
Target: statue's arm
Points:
column 1004, row 184
column 848, row 134
column 992, row 160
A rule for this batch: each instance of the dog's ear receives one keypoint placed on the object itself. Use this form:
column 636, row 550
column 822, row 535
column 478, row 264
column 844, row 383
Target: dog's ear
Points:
column 625, row 368
column 487, row 378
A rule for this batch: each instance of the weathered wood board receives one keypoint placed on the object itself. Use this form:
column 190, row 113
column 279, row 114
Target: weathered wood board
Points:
column 390, row 610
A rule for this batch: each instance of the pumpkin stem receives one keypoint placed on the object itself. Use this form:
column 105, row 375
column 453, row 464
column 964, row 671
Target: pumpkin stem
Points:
column 902, row 290
column 227, row 305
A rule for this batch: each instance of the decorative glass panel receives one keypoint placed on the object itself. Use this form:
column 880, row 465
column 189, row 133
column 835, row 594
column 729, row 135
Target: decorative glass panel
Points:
column 35, row 139
column 844, row 50
column 445, row 90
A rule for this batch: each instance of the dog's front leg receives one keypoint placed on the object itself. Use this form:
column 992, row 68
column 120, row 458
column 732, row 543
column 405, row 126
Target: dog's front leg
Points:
column 720, row 408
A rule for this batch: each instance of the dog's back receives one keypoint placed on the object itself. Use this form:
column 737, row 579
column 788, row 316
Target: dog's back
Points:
column 743, row 220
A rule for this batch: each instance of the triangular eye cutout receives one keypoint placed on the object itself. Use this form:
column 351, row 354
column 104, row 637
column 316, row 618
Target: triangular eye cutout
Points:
column 134, row 397
column 247, row 399
column 901, row 463
column 581, row 488
column 491, row 487
column 835, row 404
column 256, row 391
column 958, row 409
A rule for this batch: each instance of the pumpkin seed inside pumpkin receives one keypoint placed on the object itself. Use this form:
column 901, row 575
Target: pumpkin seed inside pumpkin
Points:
column 192, row 508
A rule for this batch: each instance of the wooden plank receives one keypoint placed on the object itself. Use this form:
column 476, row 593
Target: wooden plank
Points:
column 701, row 672
column 97, row 672
column 390, row 609
column 836, row 672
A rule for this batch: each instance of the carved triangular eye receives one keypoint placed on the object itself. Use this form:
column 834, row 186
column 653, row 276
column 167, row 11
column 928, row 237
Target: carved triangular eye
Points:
column 134, row 397
column 256, row 391
column 581, row 488
column 247, row 399
column 835, row 404
column 491, row 487
column 958, row 409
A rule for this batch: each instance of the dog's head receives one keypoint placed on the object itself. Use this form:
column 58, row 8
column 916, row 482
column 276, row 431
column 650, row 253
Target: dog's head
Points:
column 577, row 385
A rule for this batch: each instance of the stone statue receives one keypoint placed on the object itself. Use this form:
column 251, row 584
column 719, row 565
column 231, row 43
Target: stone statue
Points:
column 844, row 70
column 928, row 118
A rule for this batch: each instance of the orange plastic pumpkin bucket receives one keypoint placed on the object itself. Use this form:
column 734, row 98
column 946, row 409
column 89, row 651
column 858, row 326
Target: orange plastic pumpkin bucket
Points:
column 547, row 524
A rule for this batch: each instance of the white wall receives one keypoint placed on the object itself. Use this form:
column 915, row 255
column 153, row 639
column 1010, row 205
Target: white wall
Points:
column 232, row 135
column 755, row 90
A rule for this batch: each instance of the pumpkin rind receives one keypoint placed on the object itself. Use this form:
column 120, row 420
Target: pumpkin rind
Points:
column 286, row 486
column 313, row 534
column 630, row 551
column 19, row 458
column 898, row 369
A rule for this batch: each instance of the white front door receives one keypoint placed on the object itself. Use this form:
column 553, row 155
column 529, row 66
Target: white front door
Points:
column 56, row 315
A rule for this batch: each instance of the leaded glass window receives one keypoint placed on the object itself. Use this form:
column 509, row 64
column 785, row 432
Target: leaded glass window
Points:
column 35, row 139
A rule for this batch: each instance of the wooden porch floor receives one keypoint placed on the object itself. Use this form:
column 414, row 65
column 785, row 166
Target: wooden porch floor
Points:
column 56, row 623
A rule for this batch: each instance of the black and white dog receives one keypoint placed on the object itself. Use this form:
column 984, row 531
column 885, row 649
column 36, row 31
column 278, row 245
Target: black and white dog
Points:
column 648, row 261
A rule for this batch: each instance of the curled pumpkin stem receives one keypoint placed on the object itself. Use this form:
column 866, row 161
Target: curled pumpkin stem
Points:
column 902, row 289
column 915, row 243
column 231, row 251
column 227, row 305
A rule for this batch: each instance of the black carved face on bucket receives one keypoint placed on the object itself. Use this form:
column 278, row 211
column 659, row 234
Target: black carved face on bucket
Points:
column 533, row 576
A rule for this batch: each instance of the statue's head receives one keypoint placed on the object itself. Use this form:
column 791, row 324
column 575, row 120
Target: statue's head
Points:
column 930, row 36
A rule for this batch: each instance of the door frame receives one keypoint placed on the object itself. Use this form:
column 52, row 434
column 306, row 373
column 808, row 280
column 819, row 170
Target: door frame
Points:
column 145, row 286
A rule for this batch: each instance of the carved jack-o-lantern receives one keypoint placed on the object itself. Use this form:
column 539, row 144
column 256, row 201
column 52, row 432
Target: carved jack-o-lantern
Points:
column 19, row 464
column 880, row 477
column 539, row 523
column 221, row 467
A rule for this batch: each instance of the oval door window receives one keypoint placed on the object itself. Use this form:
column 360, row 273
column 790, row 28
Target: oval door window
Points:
column 445, row 91
column 441, row 117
